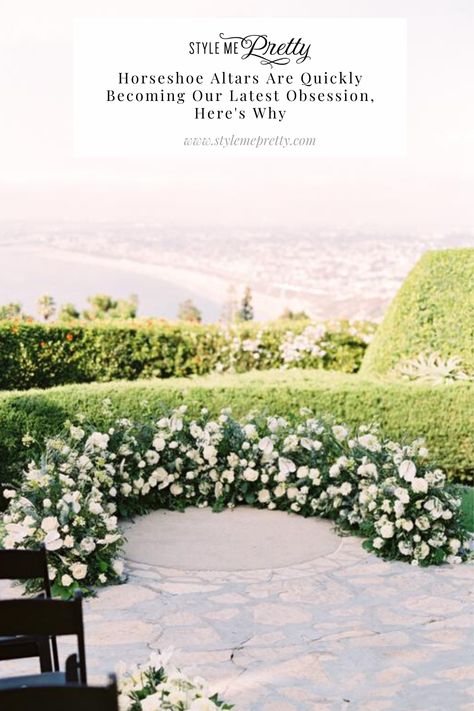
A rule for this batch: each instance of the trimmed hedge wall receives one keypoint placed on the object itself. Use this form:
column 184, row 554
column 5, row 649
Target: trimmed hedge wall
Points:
column 443, row 415
column 433, row 311
column 42, row 355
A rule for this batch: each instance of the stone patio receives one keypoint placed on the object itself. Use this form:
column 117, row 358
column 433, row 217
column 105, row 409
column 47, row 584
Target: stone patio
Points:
column 344, row 630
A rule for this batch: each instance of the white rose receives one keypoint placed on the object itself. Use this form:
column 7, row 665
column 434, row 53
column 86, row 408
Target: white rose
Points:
column 87, row 545
column 407, row 525
column 53, row 541
column 345, row 488
column 419, row 485
column 79, row 570
column 340, row 433
column 402, row 494
column 77, row 432
column 117, row 566
column 99, row 440
column 387, row 530
column 95, row 507
column 279, row 491
column 176, row 489
column 292, row 492
column 423, row 523
column 66, row 580
column 370, row 442
column 407, row 470
column 210, row 453
column 266, row 445
column 286, row 466
column 250, row 474
column 422, row 551
column 378, row 542
column 334, row 470
column 399, row 509
column 9, row 493
column 264, row 496
column 454, row 545
column 405, row 548
column 250, row 431
column 159, row 443
column 49, row 523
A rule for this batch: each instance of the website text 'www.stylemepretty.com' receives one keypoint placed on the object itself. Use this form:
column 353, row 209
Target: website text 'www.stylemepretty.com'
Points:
column 256, row 142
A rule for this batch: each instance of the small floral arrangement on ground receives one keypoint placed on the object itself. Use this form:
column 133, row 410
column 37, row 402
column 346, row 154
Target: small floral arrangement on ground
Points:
column 73, row 492
column 156, row 686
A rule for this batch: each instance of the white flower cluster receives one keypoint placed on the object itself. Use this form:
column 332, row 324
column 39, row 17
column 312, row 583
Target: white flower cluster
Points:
column 386, row 491
column 67, row 503
column 309, row 343
column 159, row 686
column 313, row 345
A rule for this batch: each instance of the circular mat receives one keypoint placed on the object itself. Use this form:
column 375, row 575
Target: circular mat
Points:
column 240, row 539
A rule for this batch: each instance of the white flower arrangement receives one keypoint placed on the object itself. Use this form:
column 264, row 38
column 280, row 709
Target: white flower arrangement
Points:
column 159, row 686
column 312, row 345
column 71, row 497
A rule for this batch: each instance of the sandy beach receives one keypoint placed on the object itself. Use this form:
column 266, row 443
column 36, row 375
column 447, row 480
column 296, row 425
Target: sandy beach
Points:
column 210, row 288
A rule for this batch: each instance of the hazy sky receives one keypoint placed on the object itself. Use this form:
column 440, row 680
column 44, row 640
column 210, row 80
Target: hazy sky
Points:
column 430, row 189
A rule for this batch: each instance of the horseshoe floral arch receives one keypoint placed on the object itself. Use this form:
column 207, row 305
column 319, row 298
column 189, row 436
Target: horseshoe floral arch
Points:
column 80, row 483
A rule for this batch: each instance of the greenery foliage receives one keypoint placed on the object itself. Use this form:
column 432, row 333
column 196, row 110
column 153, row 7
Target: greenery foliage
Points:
column 432, row 313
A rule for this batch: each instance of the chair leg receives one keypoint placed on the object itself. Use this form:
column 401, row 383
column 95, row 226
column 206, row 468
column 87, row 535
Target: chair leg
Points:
column 44, row 653
column 72, row 668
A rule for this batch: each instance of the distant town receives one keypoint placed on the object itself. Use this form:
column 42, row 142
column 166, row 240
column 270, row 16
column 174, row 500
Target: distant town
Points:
column 327, row 273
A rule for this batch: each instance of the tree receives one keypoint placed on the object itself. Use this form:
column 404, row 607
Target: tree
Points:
column 11, row 311
column 46, row 307
column 245, row 312
column 289, row 315
column 189, row 312
column 104, row 306
column 68, row 312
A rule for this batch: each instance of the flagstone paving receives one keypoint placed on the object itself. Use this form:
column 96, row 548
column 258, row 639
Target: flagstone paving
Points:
column 343, row 631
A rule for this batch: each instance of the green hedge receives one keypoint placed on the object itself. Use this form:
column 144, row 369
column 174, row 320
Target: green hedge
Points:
column 432, row 312
column 41, row 355
column 443, row 415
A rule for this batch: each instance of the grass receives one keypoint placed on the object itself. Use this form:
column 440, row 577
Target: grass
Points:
column 467, row 506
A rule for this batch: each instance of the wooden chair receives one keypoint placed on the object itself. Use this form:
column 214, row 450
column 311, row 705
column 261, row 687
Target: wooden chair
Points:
column 28, row 565
column 61, row 698
column 45, row 619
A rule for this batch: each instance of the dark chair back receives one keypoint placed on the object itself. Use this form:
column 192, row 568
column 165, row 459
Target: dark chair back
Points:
column 28, row 565
column 61, row 698
column 25, row 565
column 46, row 618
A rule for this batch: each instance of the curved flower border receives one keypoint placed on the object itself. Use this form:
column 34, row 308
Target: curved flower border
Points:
column 73, row 493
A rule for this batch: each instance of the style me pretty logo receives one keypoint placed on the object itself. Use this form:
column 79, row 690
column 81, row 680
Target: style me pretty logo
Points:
column 257, row 46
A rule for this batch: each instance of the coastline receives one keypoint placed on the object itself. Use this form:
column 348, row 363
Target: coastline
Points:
column 210, row 286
